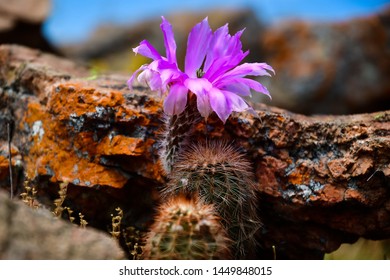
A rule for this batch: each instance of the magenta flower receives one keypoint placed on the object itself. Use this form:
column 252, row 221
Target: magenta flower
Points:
column 211, row 71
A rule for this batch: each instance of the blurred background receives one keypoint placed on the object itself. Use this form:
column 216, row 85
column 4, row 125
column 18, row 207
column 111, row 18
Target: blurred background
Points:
column 331, row 57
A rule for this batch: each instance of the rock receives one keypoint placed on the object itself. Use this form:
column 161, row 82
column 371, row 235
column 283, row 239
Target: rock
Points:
column 21, row 23
column 35, row 234
column 330, row 68
column 62, row 141
column 322, row 180
column 30, row 11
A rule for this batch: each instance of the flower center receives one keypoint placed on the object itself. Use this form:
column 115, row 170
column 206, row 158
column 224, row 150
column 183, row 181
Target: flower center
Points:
column 199, row 73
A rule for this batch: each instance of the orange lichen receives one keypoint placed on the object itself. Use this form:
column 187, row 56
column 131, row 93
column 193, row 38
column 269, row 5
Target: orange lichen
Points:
column 298, row 178
column 77, row 98
column 121, row 145
column 58, row 149
column 4, row 167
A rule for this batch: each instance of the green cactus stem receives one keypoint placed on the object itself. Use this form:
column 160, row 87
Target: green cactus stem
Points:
column 178, row 129
column 186, row 230
column 220, row 175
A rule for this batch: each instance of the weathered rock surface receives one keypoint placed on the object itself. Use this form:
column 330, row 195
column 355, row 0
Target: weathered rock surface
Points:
column 27, row 233
column 331, row 68
column 322, row 180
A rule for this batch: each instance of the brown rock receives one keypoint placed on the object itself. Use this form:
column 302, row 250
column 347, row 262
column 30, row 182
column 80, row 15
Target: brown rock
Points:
column 330, row 68
column 31, row 11
column 35, row 234
column 21, row 23
column 323, row 180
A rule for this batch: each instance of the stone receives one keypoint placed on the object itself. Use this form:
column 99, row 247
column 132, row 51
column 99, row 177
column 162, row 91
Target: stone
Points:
column 21, row 23
column 322, row 180
column 35, row 234
column 330, row 68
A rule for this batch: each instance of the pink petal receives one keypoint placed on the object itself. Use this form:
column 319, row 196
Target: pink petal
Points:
column 151, row 78
column 223, row 64
column 251, row 69
column 169, row 40
column 201, row 88
column 225, row 52
column 236, row 102
column 197, row 46
column 255, row 85
column 146, row 49
column 237, row 88
column 237, row 85
column 217, row 46
column 220, row 104
column 131, row 80
column 175, row 102
column 169, row 75
column 198, row 85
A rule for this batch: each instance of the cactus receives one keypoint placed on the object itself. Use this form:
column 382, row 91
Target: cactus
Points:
column 176, row 133
column 220, row 175
column 188, row 230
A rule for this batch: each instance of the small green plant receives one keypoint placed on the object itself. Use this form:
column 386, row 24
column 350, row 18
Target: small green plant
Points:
column 186, row 230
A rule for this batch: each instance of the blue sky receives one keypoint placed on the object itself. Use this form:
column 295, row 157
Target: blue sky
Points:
column 72, row 21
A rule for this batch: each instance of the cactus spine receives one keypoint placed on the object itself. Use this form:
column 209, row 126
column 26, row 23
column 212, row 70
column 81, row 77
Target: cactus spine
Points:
column 178, row 129
column 212, row 173
column 186, row 230
column 220, row 175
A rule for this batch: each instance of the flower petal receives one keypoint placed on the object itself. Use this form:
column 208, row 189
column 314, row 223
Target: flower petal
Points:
column 146, row 49
column 237, row 88
column 223, row 64
column 131, row 80
column 236, row 102
column 217, row 46
column 151, row 78
column 251, row 69
column 201, row 88
column 197, row 46
column 175, row 102
column 169, row 75
column 255, row 85
column 220, row 104
column 169, row 40
column 225, row 52
column 237, row 85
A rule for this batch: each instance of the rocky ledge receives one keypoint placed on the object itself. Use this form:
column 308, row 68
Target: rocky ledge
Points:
column 322, row 180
